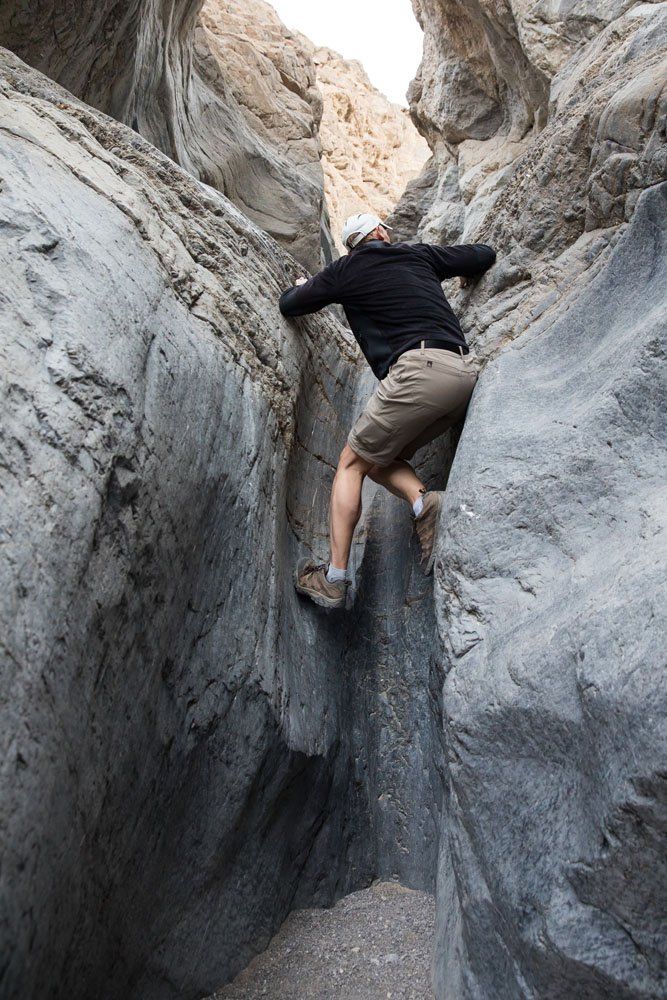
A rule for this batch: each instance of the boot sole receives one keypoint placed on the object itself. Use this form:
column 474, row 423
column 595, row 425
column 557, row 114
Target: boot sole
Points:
column 329, row 603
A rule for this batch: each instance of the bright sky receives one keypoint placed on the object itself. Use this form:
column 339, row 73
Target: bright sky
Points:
column 381, row 34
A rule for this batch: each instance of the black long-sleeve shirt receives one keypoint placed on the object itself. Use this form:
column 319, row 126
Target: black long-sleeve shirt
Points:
column 392, row 295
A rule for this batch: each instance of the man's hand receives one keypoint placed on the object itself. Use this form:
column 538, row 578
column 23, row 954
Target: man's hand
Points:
column 300, row 281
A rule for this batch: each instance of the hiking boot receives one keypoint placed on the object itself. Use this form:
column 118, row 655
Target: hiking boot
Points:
column 310, row 578
column 427, row 528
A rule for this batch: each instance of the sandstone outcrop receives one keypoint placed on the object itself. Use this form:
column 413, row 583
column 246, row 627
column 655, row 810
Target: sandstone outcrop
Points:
column 548, row 136
column 370, row 148
column 243, row 49
column 229, row 95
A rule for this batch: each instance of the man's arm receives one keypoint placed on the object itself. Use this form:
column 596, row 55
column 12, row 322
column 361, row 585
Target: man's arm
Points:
column 314, row 294
column 468, row 260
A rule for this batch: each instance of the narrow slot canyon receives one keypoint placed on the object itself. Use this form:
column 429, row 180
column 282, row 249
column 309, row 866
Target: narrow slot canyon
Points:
column 455, row 789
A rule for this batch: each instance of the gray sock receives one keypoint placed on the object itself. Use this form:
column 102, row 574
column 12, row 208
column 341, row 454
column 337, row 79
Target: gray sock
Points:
column 418, row 506
column 335, row 575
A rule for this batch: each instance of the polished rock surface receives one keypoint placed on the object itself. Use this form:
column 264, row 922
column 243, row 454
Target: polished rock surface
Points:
column 550, row 596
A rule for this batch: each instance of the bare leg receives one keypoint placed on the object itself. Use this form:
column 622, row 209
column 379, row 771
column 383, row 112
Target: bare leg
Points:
column 345, row 509
column 400, row 479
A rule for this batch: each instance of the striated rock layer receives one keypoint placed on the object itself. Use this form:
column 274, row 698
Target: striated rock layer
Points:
column 547, row 126
column 230, row 96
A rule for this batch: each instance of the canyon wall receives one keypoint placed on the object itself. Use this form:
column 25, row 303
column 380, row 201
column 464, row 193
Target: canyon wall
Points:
column 225, row 91
column 370, row 148
column 547, row 127
column 189, row 749
column 550, row 594
column 172, row 734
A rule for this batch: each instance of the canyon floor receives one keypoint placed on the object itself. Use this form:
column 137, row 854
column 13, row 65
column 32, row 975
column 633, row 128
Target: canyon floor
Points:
column 373, row 944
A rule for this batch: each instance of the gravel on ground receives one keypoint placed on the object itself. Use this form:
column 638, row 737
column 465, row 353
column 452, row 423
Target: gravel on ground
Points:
column 374, row 944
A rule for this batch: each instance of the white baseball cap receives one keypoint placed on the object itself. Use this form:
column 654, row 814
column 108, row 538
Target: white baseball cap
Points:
column 360, row 226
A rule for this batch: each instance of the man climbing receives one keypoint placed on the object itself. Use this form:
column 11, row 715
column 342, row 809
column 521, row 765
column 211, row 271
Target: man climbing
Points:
column 397, row 310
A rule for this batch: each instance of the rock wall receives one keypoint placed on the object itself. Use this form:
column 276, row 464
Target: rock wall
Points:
column 185, row 755
column 167, row 443
column 547, row 127
column 246, row 53
column 370, row 148
column 200, row 88
column 550, row 594
column 540, row 112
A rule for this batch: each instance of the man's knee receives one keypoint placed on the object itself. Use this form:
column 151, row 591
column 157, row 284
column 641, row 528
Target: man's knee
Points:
column 382, row 470
column 350, row 460
column 376, row 472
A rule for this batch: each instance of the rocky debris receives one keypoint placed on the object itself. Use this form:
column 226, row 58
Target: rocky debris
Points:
column 229, row 96
column 370, row 148
column 372, row 945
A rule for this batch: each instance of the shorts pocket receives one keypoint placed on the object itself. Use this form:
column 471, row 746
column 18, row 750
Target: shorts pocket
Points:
column 397, row 374
column 370, row 436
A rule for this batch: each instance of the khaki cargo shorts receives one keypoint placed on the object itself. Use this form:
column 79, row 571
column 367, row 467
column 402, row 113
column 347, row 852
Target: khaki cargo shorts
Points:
column 426, row 392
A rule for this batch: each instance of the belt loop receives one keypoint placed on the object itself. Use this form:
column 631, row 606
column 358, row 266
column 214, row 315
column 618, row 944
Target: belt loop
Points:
column 461, row 351
column 422, row 346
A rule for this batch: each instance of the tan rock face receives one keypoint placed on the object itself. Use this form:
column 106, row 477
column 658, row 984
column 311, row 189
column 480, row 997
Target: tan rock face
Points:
column 319, row 110
column 270, row 72
column 370, row 148
column 246, row 52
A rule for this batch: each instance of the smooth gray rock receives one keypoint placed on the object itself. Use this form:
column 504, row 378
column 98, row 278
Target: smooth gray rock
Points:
column 551, row 602
column 550, row 583
column 168, row 770
column 189, row 750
